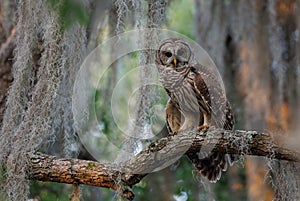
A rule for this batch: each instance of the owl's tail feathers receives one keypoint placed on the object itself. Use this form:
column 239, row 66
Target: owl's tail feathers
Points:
column 212, row 166
column 232, row 158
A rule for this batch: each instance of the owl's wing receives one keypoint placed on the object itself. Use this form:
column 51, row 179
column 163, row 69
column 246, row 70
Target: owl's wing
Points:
column 213, row 98
column 215, row 103
column 211, row 166
column 202, row 92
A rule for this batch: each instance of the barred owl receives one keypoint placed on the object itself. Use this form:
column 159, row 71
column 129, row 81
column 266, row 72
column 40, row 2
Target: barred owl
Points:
column 193, row 103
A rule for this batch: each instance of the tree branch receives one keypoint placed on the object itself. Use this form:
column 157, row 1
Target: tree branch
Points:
column 75, row 171
column 159, row 154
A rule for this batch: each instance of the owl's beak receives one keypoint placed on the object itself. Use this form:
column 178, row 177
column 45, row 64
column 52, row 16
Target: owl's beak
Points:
column 175, row 62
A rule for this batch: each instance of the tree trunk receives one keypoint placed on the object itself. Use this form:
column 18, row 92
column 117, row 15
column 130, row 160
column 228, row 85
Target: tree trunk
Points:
column 285, row 97
column 254, row 45
column 7, row 44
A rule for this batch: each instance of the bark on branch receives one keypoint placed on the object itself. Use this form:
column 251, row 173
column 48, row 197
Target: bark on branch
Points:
column 158, row 155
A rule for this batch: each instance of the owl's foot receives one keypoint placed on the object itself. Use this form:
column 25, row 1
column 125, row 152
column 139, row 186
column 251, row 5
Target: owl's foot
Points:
column 204, row 128
column 175, row 132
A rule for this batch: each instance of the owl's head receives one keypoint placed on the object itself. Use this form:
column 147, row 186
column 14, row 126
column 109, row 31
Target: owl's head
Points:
column 173, row 53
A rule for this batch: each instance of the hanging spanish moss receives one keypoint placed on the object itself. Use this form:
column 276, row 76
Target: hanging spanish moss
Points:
column 147, row 14
column 152, row 15
column 39, row 101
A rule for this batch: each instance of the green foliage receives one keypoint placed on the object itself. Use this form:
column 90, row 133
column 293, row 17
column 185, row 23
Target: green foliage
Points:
column 184, row 178
column 70, row 12
column 2, row 179
column 49, row 191
column 221, row 192
column 2, row 172
column 140, row 188
column 224, row 186
column 180, row 17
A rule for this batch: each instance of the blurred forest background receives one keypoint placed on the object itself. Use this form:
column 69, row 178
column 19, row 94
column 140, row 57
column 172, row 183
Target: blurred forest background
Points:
column 255, row 45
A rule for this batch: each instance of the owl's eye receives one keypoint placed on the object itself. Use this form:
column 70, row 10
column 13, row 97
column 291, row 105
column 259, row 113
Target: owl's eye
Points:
column 180, row 52
column 168, row 54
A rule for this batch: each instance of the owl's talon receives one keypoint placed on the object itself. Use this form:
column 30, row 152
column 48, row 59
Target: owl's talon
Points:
column 174, row 133
column 204, row 128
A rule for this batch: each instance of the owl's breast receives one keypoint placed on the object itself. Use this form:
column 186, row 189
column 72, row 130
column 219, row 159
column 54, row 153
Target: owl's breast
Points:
column 172, row 79
column 184, row 96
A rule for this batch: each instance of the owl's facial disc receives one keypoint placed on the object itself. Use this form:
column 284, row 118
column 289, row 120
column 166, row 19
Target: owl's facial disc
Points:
column 172, row 58
column 175, row 54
